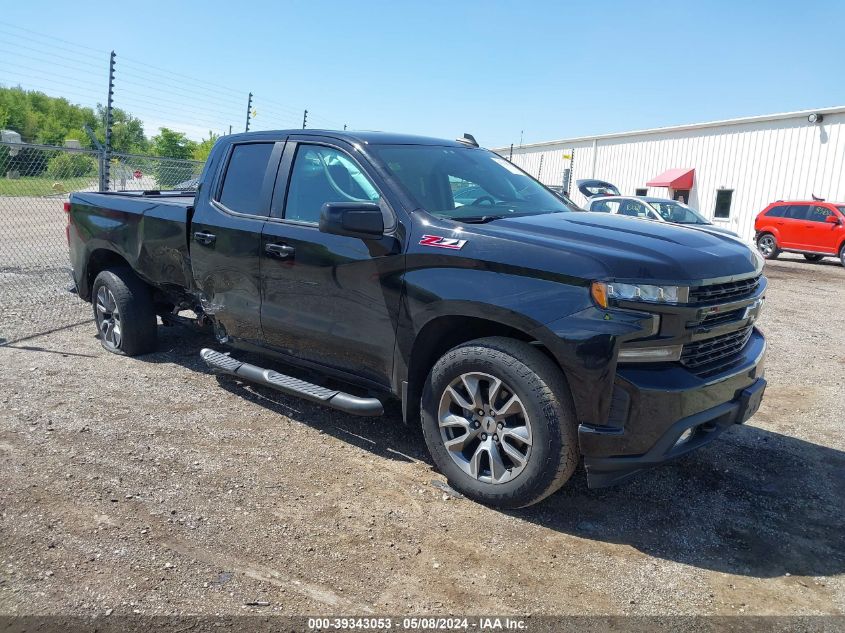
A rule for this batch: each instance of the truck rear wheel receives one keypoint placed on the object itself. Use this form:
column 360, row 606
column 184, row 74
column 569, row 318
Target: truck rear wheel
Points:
column 124, row 313
column 498, row 420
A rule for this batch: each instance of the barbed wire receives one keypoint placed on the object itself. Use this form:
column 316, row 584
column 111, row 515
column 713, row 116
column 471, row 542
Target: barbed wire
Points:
column 141, row 88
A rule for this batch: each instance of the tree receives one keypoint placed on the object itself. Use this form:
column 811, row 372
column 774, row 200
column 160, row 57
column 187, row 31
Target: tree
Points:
column 39, row 118
column 127, row 131
column 171, row 144
column 203, row 149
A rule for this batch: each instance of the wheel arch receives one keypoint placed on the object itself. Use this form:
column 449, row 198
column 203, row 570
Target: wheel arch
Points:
column 442, row 333
column 99, row 260
column 768, row 230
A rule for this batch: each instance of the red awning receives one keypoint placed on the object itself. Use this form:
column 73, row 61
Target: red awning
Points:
column 674, row 179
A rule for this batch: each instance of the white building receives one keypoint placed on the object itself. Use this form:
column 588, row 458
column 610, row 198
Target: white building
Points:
column 729, row 170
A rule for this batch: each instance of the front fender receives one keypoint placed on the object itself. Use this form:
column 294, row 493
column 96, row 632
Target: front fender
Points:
column 768, row 229
column 561, row 316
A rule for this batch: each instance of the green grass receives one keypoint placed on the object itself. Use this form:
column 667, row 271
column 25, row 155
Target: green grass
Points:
column 43, row 186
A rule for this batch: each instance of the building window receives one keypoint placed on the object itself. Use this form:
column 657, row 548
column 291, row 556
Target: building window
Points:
column 641, row 192
column 723, row 203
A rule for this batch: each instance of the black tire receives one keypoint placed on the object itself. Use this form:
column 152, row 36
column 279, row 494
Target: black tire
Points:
column 138, row 329
column 767, row 246
column 811, row 257
column 842, row 254
column 544, row 394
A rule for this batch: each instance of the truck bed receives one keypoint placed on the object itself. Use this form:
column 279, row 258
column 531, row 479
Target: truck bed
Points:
column 148, row 229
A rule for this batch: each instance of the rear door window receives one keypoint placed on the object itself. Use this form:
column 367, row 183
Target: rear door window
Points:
column 797, row 211
column 605, row 206
column 244, row 177
column 776, row 212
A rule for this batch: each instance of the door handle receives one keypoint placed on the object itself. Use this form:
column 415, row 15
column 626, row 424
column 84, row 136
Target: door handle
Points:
column 282, row 251
column 206, row 239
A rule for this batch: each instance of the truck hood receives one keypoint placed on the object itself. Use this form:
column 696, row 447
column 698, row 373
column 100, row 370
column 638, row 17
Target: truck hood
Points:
column 608, row 246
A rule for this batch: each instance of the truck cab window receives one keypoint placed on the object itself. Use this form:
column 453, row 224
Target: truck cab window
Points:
column 465, row 192
column 320, row 175
column 244, row 177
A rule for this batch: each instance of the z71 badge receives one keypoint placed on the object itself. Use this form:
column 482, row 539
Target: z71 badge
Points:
column 442, row 242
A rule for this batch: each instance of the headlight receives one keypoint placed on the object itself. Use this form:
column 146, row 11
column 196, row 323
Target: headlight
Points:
column 603, row 292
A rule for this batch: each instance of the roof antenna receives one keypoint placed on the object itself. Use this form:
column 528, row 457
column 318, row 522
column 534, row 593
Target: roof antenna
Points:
column 816, row 198
column 468, row 139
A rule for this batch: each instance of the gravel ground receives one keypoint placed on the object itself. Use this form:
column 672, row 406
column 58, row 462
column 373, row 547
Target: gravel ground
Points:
column 150, row 486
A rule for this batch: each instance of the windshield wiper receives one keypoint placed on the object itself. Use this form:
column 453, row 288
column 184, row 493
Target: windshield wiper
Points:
column 478, row 219
column 483, row 219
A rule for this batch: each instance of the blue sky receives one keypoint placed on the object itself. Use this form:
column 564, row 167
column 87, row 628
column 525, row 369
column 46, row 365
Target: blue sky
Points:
column 545, row 70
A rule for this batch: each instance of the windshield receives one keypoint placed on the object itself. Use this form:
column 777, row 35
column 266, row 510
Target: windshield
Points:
column 464, row 183
column 678, row 213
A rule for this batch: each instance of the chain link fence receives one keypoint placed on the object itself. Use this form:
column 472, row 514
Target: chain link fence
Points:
column 35, row 181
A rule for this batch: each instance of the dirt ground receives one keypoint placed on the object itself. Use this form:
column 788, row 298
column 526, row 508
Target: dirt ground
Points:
column 150, row 486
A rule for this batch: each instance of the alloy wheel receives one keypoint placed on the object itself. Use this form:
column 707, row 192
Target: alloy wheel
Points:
column 108, row 318
column 766, row 245
column 485, row 428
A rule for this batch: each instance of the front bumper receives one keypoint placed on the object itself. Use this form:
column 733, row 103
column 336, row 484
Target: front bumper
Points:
column 658, row 403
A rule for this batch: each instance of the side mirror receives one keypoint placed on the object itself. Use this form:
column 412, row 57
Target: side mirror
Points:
column 833, row 219
column 353, row 219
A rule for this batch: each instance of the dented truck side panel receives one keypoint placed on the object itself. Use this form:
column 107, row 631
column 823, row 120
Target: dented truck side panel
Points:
column 147, row 234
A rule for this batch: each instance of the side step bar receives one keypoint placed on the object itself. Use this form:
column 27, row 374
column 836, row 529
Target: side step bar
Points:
column 292, row 386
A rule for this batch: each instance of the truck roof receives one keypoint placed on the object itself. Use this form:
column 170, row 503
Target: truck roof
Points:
column 365, row 137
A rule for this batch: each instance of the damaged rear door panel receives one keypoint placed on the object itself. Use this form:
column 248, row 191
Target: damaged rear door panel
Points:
column 225, row 236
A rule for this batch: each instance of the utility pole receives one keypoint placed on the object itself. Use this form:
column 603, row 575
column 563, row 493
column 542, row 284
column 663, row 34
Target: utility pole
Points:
column 248, row 111
column 510, row 155
column 344, row 127
column 106, row 153
column 521, row 134
column 304, row 119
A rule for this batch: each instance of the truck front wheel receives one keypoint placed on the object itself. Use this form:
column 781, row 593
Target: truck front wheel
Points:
column 498, row 420
column 124, row 313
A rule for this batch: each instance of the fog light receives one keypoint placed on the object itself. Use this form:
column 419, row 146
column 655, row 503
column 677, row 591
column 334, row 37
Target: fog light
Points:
column 650, row 354
column 686, row 436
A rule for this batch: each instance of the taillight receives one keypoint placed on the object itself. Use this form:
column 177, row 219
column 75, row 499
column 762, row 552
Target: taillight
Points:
column 66, row 209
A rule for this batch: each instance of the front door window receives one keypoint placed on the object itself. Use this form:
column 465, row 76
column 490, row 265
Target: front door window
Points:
column 323, row 174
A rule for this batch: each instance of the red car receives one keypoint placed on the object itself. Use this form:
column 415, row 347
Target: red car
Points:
column 815, row 229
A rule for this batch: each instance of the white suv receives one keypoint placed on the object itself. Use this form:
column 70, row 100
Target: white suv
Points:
column 657, row 209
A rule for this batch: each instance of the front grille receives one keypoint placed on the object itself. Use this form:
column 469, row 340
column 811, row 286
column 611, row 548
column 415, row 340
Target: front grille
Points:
column 722, row 293
column 713, row 355
column 718, row 318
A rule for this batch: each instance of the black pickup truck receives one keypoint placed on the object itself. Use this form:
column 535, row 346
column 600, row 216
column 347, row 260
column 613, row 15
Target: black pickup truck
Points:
column 521, row 333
